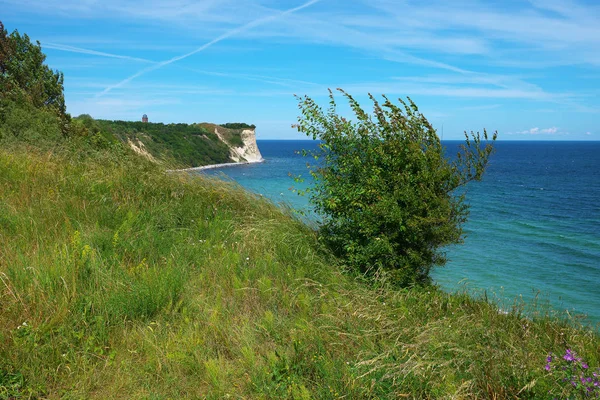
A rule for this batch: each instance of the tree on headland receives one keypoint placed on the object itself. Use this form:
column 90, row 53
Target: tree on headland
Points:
column 238, row 125
column 385, row 190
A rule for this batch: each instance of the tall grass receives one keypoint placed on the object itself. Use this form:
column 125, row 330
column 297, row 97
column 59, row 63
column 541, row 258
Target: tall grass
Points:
column 118, row 280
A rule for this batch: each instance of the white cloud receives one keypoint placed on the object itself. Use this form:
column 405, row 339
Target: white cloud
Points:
column 571, row 28
column 550, row 131
column 537, row 131
column 550, row 32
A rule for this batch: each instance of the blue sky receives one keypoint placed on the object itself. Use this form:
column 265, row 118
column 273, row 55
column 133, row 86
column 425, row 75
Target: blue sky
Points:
column 529, row 69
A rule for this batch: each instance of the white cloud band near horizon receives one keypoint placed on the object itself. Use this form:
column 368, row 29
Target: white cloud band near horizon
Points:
column 537, row 131
column 222, row 37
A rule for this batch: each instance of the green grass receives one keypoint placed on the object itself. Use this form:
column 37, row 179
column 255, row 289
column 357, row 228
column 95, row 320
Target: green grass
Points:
column 118, row 280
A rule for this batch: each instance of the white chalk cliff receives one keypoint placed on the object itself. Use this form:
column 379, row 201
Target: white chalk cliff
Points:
column 249, row 152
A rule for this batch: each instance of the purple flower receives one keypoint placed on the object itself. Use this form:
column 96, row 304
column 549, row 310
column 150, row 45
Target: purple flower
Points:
column 584, row 365
column 569, row 356
column 547, row 367
column 549, row 358
column 585, row 380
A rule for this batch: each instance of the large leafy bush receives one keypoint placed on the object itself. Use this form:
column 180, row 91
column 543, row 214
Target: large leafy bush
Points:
column 385, row 189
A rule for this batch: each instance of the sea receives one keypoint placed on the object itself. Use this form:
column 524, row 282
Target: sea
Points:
column 533, row 233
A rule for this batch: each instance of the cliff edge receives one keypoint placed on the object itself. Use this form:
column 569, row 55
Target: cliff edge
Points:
column 248, row 151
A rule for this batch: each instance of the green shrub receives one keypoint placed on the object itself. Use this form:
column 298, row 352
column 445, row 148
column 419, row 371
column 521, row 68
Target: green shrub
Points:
column 238, row 125
column 21, row 121
column 385, row 189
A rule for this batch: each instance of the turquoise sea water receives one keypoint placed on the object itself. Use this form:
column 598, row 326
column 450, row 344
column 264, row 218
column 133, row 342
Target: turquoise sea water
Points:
column 534, row 227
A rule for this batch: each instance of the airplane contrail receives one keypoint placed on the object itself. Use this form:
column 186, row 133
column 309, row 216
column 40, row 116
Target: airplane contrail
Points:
column 73, row 49
column 224, row 36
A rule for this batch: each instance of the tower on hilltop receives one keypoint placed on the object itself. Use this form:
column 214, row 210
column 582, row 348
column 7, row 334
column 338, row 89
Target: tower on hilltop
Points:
column 144, row 118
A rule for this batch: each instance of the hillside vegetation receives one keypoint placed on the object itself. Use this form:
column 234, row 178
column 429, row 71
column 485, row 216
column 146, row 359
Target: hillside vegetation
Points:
column 119, row 280
column 179, row 145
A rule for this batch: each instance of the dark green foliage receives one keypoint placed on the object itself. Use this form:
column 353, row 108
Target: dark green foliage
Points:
column 385, row 189
column 25, row 79
column 6, row 49
column 88, row 128
column 238, row 125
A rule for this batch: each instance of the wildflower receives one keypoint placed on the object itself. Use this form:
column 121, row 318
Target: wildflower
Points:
column 569, row 356
column 573, row 371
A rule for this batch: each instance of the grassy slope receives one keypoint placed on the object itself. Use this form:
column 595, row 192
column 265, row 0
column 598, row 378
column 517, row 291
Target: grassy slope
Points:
column 121, row 281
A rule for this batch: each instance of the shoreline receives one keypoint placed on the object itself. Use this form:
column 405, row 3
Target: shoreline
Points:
column 215, row 166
